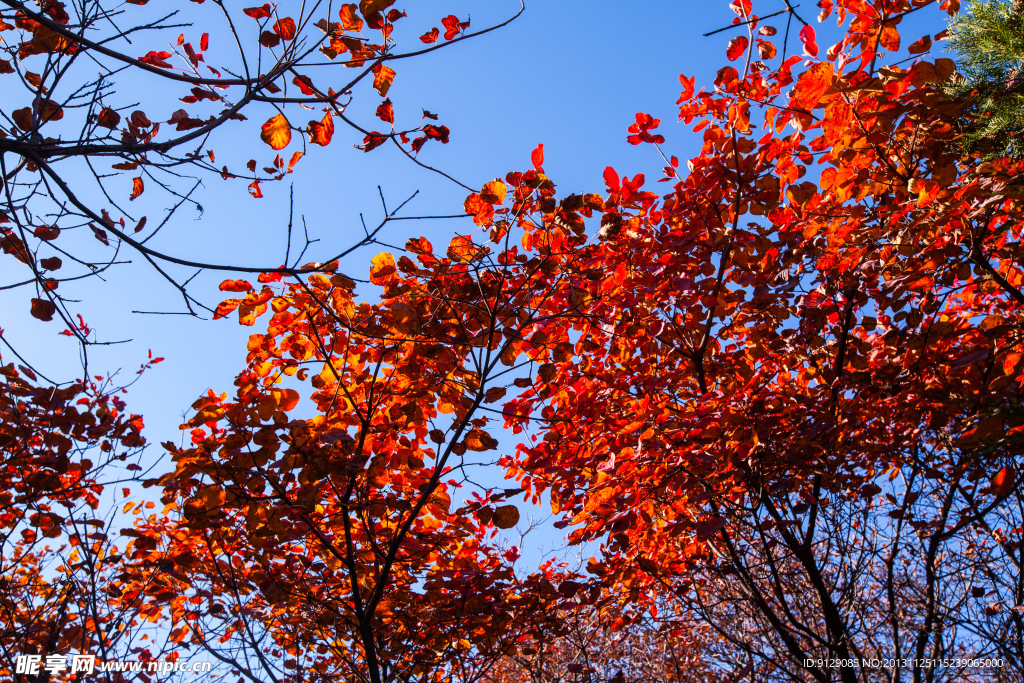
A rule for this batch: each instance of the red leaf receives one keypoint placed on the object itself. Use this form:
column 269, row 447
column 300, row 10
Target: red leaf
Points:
column 320, row 133
column 807, row 38
column 737, row 46
column 452, row 26
column 157, row 59
column 373, row 140
column 807, row 34
column 101, row 235
column 204, row 42
column 687, row 92
column 385, row 112
column 741, row 7
column 537, row 157
column 305, row 84
column 437, row 133
column 430, row 36
column 108, row 118
column 235, row 286
column 611, row 178
column 285, row 28
column 268, row 39
column 43, row 309
column 258, row 13
column 46, row 233
column 1003, row 482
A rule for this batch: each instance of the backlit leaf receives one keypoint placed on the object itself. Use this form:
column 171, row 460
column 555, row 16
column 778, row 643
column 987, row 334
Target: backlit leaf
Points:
column 276, row 132
column 382, row 270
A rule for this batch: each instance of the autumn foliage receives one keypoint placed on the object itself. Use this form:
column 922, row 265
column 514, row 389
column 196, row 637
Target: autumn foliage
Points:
column 777, row 400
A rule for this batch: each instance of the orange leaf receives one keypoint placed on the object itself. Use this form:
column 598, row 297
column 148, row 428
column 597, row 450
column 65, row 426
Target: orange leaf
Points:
column 382, row 81
column 493, row 192
column 1011, row 362
column 286, row 399
column 890, row 39
column 382, row 270
column 430, row 36
column 225, row 307
column 235, row 286
column 276, row 132
column 482, row 212
column 419, row 245
column 320, row 133
column 765, row 49
column 137, row 188
column 1003, row 482
column 462, row 248
column 923, row 44
column 811, row 86
column 350, row 20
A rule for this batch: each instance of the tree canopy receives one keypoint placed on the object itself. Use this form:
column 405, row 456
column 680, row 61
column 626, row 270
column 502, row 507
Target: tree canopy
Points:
column 777, row 400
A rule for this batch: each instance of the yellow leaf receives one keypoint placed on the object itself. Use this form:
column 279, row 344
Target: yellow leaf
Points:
column 276, row 132
column 382, row 268
column 286, row 399
column 493, row 192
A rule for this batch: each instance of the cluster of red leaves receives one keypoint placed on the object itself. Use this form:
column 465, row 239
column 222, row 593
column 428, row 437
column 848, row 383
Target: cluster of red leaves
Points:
column 756, row 335
column 58, row 447
column 333, row 529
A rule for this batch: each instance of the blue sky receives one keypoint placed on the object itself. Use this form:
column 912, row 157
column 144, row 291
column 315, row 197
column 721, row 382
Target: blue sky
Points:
column 568, row 74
